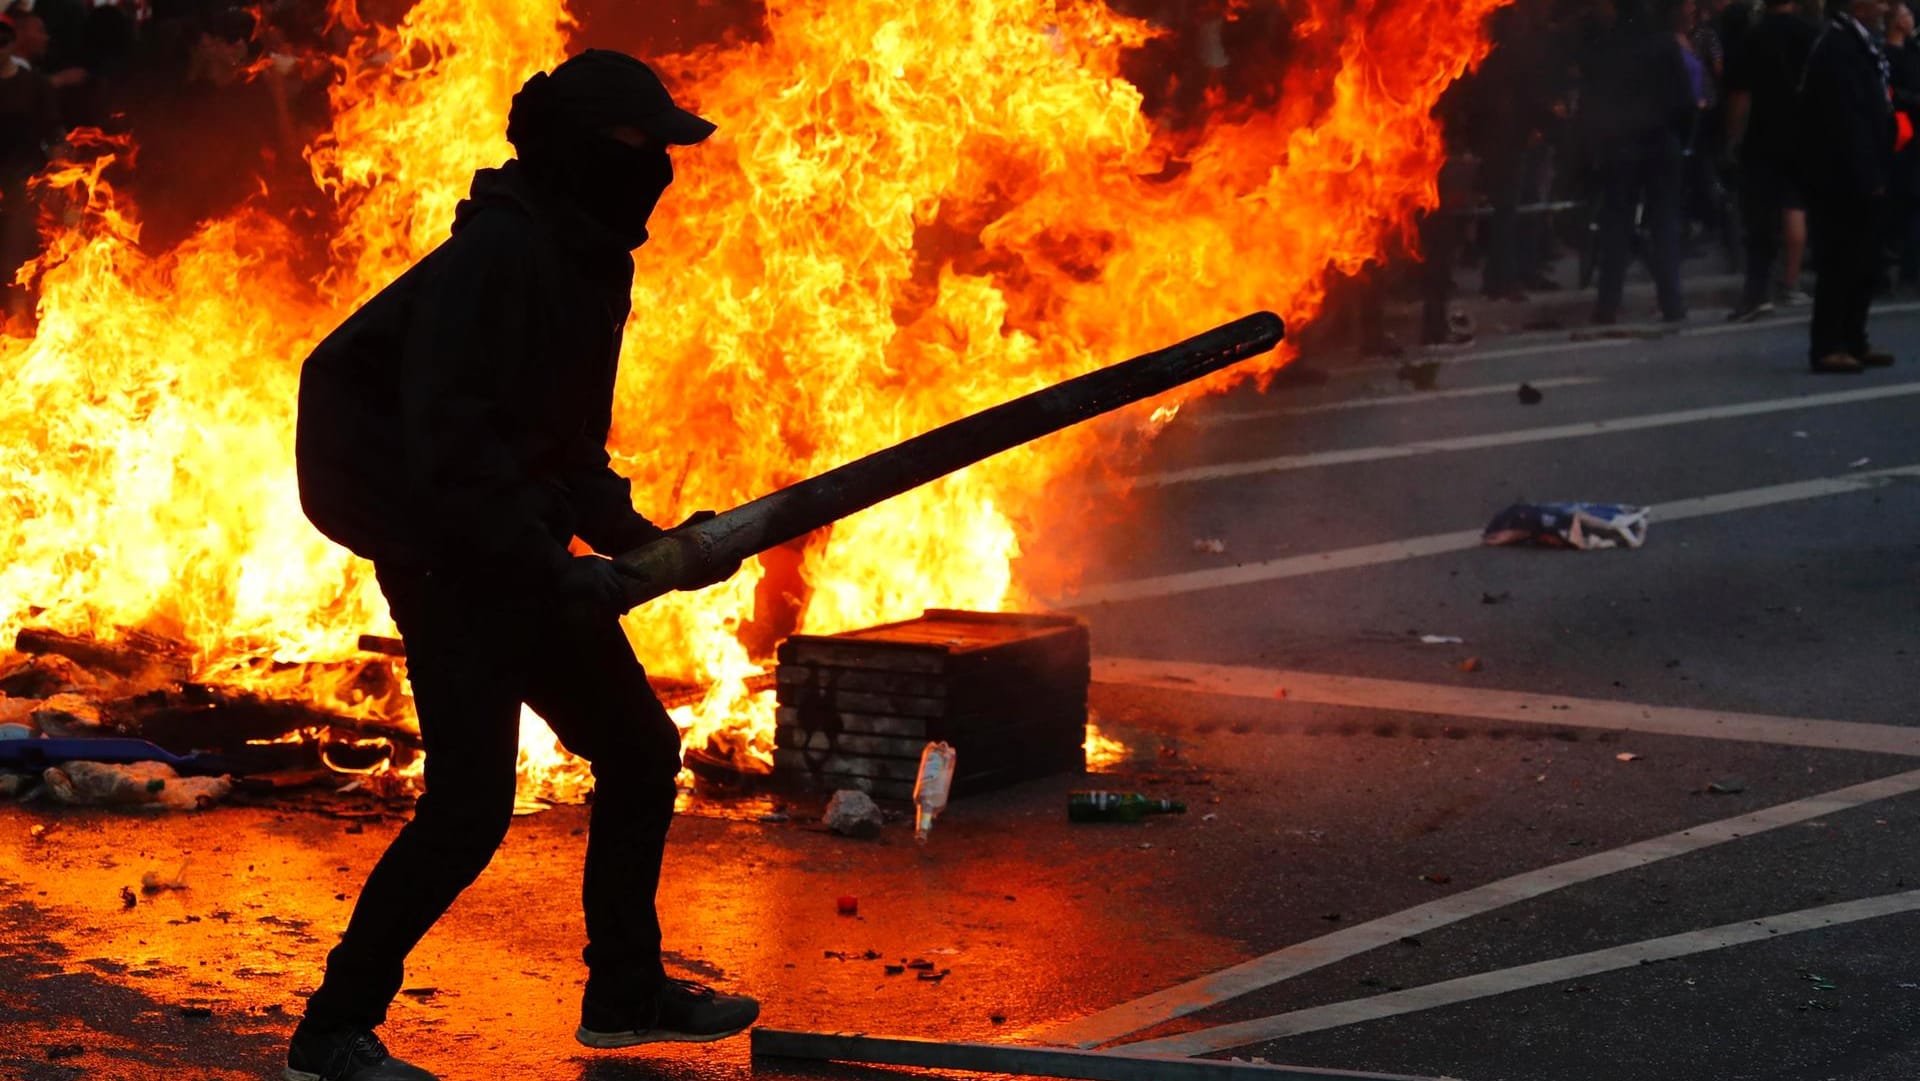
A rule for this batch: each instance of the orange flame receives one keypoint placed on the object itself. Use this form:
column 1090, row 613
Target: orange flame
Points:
column 911, row 212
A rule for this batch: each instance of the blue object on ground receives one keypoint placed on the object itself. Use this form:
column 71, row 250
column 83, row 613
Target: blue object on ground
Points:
column 1583, row 526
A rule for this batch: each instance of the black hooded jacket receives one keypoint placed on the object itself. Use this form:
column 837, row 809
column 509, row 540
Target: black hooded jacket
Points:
column 459, row 419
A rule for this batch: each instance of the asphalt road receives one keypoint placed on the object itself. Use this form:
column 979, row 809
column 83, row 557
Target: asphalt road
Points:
column 1661, row 828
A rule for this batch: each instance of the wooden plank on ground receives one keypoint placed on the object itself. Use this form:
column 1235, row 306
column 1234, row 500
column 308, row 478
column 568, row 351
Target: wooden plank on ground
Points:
column 1034, row 1061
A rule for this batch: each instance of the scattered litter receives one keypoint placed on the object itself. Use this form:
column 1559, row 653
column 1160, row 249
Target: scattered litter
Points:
column 997, row 1018
column 1820, row 983
column 931, row 786
column 1496, row 598
column 37, row 831
column 128, row 898
column 1530, row 395
column 1472, row 664
column 65, row 1050
column 1208, row 817
column 944, row 951
column 842, row 955
column 1626, row 756
column 895, row 970
column 920, row 964
column 1441, row 640
column 151, row 882
column 1858, row 462
column 1799, row 435
column 1210, row 545
column 934, row 977
column 852, row 813
column 847, row 906
column 1438, row 878
column 200, row 1012
column 1726, row 787
column 1581, row 526
column 1908, row 986
column 135, row 784
column 1330, row 917
column 775, row 817
column 66, row 715
column 1280, row 692
column 1422, row 376
column 420, row 992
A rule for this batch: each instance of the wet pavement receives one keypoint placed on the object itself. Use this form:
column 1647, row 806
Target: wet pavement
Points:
column 1310, row 817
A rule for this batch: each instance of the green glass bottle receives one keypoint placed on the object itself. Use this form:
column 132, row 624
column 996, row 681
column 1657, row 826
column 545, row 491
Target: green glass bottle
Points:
column 1118, row 807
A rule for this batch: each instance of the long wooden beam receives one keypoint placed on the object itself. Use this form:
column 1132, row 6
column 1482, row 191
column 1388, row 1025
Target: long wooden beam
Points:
column 1034, row 1061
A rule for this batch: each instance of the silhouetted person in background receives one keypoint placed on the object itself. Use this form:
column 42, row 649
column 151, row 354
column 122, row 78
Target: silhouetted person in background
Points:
column 1639, row 107
column 30, row 132
column 453, row 431
column 1903, row 202
column 1763, row 133
column 1848, row 146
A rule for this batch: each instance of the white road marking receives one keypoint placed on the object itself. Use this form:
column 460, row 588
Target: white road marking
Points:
column 1521, row 436
column 1519, row 707
column 1284, row 964
column 1418, row 397
column 1562, row 344
column 1486, row 984
column 1368, row 555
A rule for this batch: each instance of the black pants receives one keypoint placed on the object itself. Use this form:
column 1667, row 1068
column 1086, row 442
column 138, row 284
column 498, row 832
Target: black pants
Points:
column 1439, row 250
column 1649, row 172
column 473, row 658
column 1767, row 192
column 1850, row 259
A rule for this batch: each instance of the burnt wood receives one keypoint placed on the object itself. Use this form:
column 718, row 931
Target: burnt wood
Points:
column 133, row 653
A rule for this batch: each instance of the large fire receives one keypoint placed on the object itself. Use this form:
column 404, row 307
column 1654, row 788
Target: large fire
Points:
column 912, row 211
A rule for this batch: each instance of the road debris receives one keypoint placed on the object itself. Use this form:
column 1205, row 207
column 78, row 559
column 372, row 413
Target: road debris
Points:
column 1438, row 878
column 847, row 905
column 1530, row 394
column 1579, row 526
column 930, row 788
column 1441, row 640
column 1424, row 375
column 128, row 898
column 148, row 785
column 1210, row 545
column 1472, row 664
column 852, row 813
column 1859, row 463
column 1726, row 787
column 1626, row 756
column 152, row 883
column 1501, row 597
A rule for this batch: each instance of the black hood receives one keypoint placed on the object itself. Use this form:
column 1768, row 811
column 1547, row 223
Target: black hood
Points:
column 512, row 187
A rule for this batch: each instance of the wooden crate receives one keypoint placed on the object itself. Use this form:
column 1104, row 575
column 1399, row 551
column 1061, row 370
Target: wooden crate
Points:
column 1008, row 691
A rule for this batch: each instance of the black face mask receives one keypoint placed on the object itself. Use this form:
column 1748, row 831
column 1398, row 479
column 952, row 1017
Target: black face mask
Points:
column 615, row 184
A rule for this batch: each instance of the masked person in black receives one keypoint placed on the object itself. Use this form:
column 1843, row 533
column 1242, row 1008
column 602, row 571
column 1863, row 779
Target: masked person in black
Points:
column 453, row 431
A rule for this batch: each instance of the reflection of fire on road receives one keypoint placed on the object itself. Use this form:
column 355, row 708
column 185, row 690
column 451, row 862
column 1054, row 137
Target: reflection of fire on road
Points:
column 912, row 212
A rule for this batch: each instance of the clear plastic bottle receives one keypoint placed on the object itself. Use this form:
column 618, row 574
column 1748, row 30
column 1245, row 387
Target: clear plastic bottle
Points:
column 931, row 787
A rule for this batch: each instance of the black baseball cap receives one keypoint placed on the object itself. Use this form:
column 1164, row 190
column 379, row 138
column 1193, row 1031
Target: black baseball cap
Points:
column 600, row 89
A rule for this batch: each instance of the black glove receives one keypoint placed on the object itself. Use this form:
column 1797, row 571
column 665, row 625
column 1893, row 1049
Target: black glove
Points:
column 597, row 586
column 714, row 575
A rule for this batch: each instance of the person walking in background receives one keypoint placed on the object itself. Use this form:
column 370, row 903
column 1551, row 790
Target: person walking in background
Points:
column 1763, row 125
column 1848, row 142
column 1639, row 107
column 1903, row 62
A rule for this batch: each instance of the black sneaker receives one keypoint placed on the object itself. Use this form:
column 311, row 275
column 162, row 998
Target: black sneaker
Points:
column 681, row 1012
column 349, row 1054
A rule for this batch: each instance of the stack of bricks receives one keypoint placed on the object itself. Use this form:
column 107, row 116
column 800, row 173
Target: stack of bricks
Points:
column 1008, row 691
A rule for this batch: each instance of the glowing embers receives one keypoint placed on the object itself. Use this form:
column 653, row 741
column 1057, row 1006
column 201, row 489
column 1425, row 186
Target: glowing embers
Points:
column 1008, row 691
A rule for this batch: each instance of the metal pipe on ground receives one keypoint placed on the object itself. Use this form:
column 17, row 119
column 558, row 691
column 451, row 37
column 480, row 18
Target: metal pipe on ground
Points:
column 1034, row 1061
